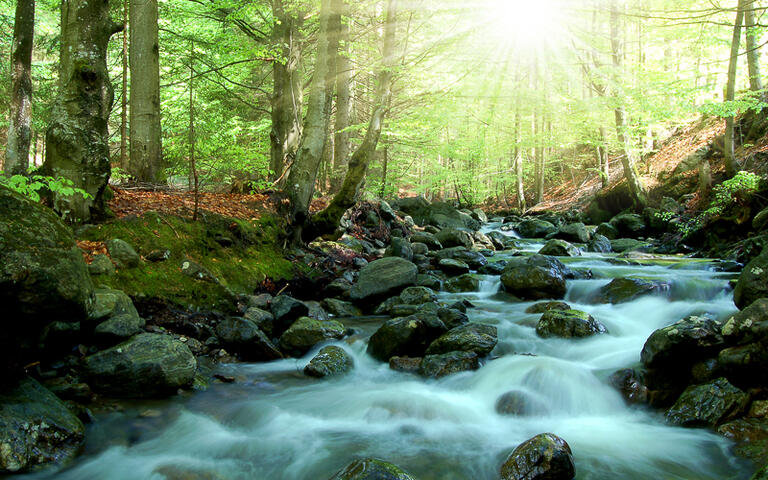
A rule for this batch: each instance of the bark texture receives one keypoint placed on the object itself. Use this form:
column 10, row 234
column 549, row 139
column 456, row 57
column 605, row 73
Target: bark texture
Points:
column 19, row 134
column 343, row 104
column 145, row 132
column 753, row 47
column 730, row 92
column 76, row 139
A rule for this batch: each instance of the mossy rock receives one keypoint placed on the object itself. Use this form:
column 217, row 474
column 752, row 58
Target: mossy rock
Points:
column 307, row 332
column 372, row 469
column 330, row 361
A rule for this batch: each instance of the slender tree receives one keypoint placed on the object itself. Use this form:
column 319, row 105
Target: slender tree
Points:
column 17, row 154
column 343, row 103
column 145, row 134
column 752, row 32
column 730, row 92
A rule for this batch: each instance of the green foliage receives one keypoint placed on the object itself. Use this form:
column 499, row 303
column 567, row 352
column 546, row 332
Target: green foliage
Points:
column 33, row 185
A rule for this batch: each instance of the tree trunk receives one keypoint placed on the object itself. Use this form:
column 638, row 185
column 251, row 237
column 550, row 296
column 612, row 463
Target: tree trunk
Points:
column 124, row 96
column 705, row 177
column 753, row 47
column 300, row 184
column 385, row 162
column 191, row 131
column 287, row 94
column 76, row 140
column 146, row 156
column 605, row 174
column 326, row 221
column 628, row 160
column 518, row 158
column 730, row 93
column 343, row 104
column 19, row 135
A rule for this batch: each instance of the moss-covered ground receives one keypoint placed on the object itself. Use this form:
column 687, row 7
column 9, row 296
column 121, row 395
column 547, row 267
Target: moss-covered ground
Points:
column 241, row 254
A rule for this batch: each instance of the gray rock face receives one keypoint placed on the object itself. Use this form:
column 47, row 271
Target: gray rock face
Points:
column 384, row 277
column 330, row 361
column 101, row 265
column 535, row 228
column 568, row 324
column 444, row 364
column 707, row 405
column 242, row 336
column 559, row 248
column 471, row 337
column 464, row 283
column 473, row 259
column 683, row 343
column 493, row 268
column 417, row 296
column 115, row 316
column 405, row 337
column 286, row 310
column 544, row 457
column 123, row 253
column 36, row 428
column 753, row 281
column 574, row 232
column 307, row 332
column 340, row 308
column 450, row 237
column 42, row 275
column 399, row 247
column 621, row 290
column 749, row 325
column 599, row 244
column 628, row 225
column 501, row 241
column 147, row 365
column 427, row 239
column 534, row 278
column 261, row 318
column 372, row 469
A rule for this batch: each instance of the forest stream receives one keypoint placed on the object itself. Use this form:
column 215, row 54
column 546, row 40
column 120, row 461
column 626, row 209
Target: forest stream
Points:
column 275, row 423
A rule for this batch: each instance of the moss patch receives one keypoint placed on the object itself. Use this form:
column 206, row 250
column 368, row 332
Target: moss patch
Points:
column 240, row 253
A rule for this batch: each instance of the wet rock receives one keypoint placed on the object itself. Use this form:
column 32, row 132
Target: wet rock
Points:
column 630, row 384
column 493, row 268
column 261, row 301
column 622, row 290
column 417, row 296
column 608, row 231
column 101, row 265
column 501, row 241
column 438, row 366
column 630, row 225
column 197, row 271
column 159, row 255
column 36, row 428
column 568, row 324
column 536, row 277
column 307, row 332
column 452, row 317
column 427, row 239
column 599, row 244
column 479, row 215
column 483, row 241
column 122, row 254
column 286, row 310
column 405, row 336
column 542, row 307
column 242, row 336
column 450, row 237
column 621, row 245
column 559, row 248
column 115, row 316
column 463, row 283
column 329, row 361
column 419, row 248
column 316, row 310
column 338, row 288
column 261, row 318
column 535, row 228
column 745, row 365
column 471, row 337
column 753, row 281
column 178, row 472
column 405, row 364
column 340, row 308
column 683, row 343
column 474, row 259
column 399, row 247
column 707, row 405
column 574, row 232
column 453, row 267
column 372, row 469
column 387, row 276
column 147, row 365
column 517, row 403
column 544, row 457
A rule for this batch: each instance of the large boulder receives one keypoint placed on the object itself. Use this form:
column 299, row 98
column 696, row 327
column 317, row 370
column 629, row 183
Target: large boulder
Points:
column 622, row 290
column 682, row 344
column 427, row 239
column 473, row 259
column 544, row 457
column 451, row 237
column 753, row 281
column 115, row 316
column 372, row 469
column 383, row 278
column 471, row 337
column 417, row 296
column 36, row 428
column 559, row 248
column 568, row 324
column 242, row 336
column 534, row 278
column 463, row 283
column 599, row 244
column 629, row 225
column 147, row 365
column 42, row 275
column 286, row 310
column 621, row 245
column 749, row 325
column 573, row 232
column 307, row 332
column 405, row 336
column 330, row 361
column 707, row 405
column 535, row 228
column 444, row 364
column 399, row 247
column 122, row 253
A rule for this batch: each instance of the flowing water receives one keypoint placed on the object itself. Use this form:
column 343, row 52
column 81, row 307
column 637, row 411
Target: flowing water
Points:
column 274, row 423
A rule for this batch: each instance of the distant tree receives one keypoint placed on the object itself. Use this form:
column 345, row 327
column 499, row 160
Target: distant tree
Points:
column 17, row 154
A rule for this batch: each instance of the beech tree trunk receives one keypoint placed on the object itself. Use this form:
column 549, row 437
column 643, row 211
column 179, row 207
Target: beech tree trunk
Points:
column 343, row 104
column 753, row 47
column 326, row 222
column 145, row 133
column 628, row 160
column 19, row 135
column 300, row 184
column 287, row 93
column 730, row 93
column 76, row 140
